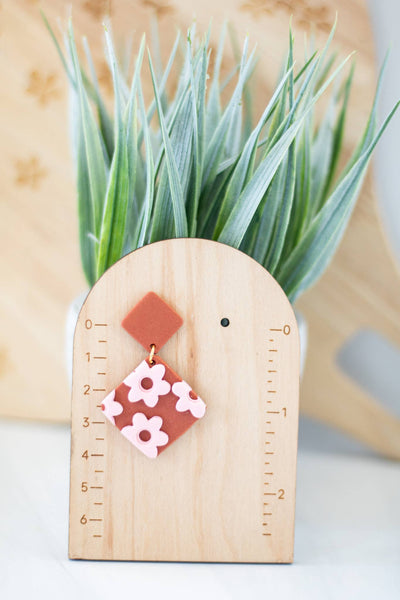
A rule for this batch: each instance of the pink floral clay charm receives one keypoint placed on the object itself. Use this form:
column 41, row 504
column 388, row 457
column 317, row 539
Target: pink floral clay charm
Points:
column 152, row 406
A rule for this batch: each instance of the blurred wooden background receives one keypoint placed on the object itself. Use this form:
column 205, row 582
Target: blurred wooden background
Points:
column 40, row 267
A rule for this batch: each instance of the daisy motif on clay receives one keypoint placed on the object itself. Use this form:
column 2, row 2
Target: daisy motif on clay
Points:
column 146, row 434
column 146, row 383
column 111, row 407
column 188, row 400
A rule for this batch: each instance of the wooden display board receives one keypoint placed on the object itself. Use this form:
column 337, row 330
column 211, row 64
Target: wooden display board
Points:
column 39, row 258
column 225, row 490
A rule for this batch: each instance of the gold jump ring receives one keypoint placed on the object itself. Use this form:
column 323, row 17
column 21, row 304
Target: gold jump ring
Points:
column 152, row 353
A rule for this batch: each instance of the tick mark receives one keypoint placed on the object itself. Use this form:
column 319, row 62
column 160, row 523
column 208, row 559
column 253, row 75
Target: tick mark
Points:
column 96, row 487
column 95, row 519
column 102, row 341
column 275, row 329
column 101, row 324
column 97, row 535
column 273, row 412
column 98, row 422
column 100, row 357
column 99, row 389
column 97, row 455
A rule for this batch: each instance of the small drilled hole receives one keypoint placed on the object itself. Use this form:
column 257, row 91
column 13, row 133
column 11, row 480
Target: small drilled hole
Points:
column 224, row 322
column 146, row 383
column 144, row 435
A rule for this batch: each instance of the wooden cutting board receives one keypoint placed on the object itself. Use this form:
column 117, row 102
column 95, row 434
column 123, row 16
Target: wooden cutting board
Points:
column 40, row 269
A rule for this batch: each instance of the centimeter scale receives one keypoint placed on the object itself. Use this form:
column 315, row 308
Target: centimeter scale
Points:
column 225, row 490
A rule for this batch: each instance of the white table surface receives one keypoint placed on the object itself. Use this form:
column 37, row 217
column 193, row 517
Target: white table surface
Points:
column 347, row 531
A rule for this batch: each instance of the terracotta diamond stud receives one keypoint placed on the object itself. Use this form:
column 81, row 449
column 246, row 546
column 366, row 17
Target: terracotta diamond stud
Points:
column 152, row 321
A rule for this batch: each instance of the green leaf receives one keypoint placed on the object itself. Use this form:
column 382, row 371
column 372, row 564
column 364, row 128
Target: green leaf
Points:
column 115, row 212
column 93, row 147
column 178, row 202
column 247, row 204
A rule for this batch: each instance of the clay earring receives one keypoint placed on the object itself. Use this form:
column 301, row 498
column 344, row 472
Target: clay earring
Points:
column 153, row 406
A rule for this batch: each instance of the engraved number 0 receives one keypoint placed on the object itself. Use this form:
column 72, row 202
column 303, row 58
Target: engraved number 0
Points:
column 286, row 329
column 88, row 324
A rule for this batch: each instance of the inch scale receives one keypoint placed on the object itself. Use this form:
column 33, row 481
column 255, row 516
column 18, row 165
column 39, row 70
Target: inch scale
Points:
column 225, row 491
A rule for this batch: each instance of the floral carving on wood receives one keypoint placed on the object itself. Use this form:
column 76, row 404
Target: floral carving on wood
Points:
column 305, row 14
column 29, row 172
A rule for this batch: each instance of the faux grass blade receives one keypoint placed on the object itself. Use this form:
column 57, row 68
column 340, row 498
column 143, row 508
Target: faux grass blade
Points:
column 93, row 147
column 144, row 222
column 85, row 213
column 238, row 178
column 247, row 204
column 105, row 121
column 178, row 202
column 115, row 212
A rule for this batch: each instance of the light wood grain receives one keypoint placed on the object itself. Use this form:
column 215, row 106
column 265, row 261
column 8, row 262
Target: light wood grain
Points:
column 205, row 498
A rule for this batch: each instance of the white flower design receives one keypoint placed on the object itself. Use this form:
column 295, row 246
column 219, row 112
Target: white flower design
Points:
column 146, row 383
column 111, row 407
column 146, row 434
column 188, row 399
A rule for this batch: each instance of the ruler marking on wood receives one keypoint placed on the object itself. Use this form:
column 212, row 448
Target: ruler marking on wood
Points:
column 100, row 357
column 101, row 324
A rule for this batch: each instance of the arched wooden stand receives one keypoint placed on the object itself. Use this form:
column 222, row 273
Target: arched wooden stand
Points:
column 225, row 491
